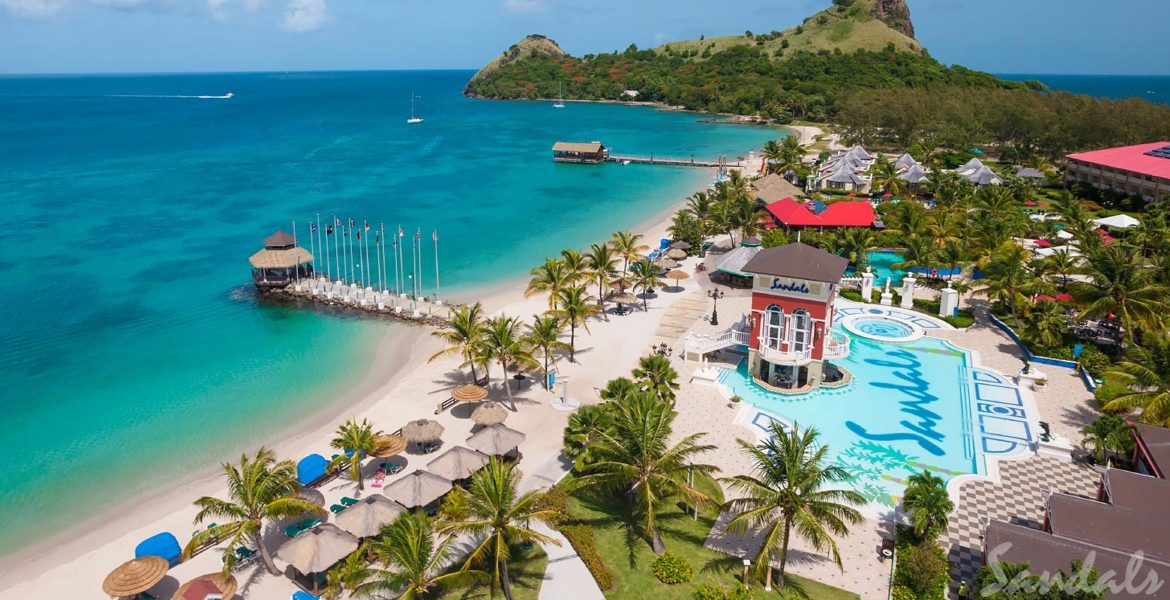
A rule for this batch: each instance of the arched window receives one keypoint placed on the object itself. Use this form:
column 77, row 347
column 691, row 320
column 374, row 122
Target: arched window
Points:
column 801, row 330
column 773, row 326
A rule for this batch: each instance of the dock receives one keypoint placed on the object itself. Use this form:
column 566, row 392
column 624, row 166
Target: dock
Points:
column 366, row 299
column 674, row 161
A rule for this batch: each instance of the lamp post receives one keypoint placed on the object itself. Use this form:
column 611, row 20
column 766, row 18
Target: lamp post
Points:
column 715, row 295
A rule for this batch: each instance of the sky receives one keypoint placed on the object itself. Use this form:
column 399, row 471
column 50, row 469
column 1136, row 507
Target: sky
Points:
column 113, row 36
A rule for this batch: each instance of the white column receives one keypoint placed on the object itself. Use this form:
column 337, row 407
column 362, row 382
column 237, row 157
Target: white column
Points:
column 908, row 291
column 948, row 303
column 887, row 296
column 867, row 285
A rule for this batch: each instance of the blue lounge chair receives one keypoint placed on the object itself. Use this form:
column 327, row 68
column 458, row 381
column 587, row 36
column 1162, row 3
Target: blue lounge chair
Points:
column 304, row 596
column 336, row 508
column 348, row 501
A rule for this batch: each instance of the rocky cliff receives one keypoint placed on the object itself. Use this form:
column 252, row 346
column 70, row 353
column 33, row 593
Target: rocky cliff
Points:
column 533, row 45
column 895, row 14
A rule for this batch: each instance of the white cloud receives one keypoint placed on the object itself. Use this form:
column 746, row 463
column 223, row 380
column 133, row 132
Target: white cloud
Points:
column 221, row 9
column 524, row 6
column 216, row 7
column 301, row 16
column 124, row 4
column 33, row 8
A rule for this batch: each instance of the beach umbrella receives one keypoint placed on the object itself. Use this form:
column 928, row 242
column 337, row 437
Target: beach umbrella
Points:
column 677, row 276
column 317, row 549
column 420, row 488
column 311, row 495
column 667, row 263
column 389, row 445
column 676, row 254
column 469, row 393
column 365, row 518
column 489, row 413
column 624, row 298
column 496, row 439
column 457, row 463
column 135, row 576
column 422, row 430
column 211, row 583
column 681, row 245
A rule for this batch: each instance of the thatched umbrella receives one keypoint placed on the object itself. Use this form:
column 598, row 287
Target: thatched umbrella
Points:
column 489, row 413
column 389, row 445
column 367, row 517
column 623, row 298
column 317, row 549
column 681, row 245
column 496, row 440
column 312, row 495
column 666, row 263
column 457, row 463
column 224, row 584
column 677, row 276
column 469, row 393
column 422, row 430
column 676, row 254
column 135, row 576
column 417, row 489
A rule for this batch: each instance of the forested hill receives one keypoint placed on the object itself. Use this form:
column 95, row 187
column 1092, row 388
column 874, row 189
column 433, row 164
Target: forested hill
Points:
column 803, row 72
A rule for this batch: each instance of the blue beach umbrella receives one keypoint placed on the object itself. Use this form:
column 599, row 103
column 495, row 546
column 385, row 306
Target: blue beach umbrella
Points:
column 311, row 468
column 163, row 544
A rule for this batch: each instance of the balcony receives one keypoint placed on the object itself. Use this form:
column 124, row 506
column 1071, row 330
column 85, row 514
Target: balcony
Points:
column 780, row 357
column 837, row 348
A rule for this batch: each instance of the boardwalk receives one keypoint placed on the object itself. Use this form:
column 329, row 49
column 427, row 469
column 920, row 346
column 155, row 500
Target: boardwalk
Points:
column 368, row 300
column 674, row 161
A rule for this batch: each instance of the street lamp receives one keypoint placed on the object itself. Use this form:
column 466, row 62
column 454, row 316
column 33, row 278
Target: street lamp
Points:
column 715, row 295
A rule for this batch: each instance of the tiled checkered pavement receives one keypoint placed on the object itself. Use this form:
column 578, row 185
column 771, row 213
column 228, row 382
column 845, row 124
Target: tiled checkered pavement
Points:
column 1018, row 498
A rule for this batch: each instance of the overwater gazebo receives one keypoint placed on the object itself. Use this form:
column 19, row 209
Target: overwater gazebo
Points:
column 280, row 262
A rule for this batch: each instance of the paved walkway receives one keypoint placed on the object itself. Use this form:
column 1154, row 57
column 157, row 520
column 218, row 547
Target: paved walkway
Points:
column 566, row 576
column 682, row 315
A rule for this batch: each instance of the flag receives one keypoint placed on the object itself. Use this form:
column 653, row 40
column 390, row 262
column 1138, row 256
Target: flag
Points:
column 435, row 235
column 337, row 221
column 400, row 232
column 359, row 235
column 312, row 228
column 367, row 225
column 344, row 232
column 377, row 238
column 352, row 223
column 418, row 234
column 328, row 230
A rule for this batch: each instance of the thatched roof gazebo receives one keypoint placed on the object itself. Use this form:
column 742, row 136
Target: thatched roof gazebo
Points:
column 495, row 440
column 420, row 488
column 365, row 518
column 389, row 445
column 135, row 576
column 317, row 549
column 457, row 463
column 280, row 262
column 489, row 413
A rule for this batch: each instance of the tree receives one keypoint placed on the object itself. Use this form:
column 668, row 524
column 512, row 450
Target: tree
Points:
column 684, row 226
column 356, row 441
column 583, row 431
column 699, row 205
column 1009, row 280
column 415, row 559
column 1107, row 434
column 463, row 334
column 655, row 374
column 348, row 575
column 646, row 279
column 1146, row 372
column 929, row 505
column 886, row 177
column 1120, row 285
column 618, row 389
column 634, row 459
column 790, row 491
column 628, row 246
column 1045, row 324
column 260, row 489
column 1061, row 262
column 576, row 266
column 602, row 264
column 549, row 278
column 855, row 243
column 493, row 511
column 544, row 334
column 504, row 342
column 575, row 308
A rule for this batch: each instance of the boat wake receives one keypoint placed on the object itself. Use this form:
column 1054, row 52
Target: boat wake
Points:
column 226, row 96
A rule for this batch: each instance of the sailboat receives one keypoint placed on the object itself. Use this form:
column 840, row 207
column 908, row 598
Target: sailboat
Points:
column 560, row 103
column 413, row 118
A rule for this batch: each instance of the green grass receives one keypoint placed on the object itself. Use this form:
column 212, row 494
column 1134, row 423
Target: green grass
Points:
column 527, row 572
column 629, row 557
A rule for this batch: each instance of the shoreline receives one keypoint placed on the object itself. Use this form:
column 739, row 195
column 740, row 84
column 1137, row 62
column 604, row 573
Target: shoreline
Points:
column 398, row 356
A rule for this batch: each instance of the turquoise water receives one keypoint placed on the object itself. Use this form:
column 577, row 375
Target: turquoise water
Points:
column 133, row 350
column 882, row 327
column 1155, row 88
column 880, row 262
column 907, row 408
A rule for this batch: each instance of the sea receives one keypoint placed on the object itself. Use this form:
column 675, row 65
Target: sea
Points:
column 134, row 352
column 1154, row 88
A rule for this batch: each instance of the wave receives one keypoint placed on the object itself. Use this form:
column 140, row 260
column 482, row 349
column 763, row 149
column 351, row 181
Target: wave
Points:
column 226, row 96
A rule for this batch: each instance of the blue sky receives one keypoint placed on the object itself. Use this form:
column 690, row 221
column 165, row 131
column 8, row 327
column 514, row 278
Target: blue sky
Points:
column 81, row 36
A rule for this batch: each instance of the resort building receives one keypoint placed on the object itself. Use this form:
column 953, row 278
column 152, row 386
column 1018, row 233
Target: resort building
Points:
column 978, row 173
column 1152, row 452
column 1129, row 517
column 580, row 152
column 846, row 171
column 790, row 214
column 1142, row 170
column 280, row 262
column 791, row 340
column 773, row 188
column 910, row 170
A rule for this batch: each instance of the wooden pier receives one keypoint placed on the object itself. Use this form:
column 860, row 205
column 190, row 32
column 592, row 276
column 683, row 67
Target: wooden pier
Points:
column 674, row 161
column 345, row 295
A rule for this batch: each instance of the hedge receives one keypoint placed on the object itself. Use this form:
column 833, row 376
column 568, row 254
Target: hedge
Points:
column 671, row 568
column 581, row 538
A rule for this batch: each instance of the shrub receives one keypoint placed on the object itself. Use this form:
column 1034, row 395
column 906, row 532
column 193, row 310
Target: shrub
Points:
column 581, row 538
column 1095, row 361
column 853, row 295
column 671, row 569
column 963, row 320
column 557, row 500
column 1108, row 391
column 924, row 570
column 901, row 592
column 709, row 591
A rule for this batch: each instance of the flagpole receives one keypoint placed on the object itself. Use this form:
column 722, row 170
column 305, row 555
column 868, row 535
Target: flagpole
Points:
column 366, row 250
column 312, row 248
column 337, row 247
column 435, row 239
column 401, row 262
column 319, row 238
column 397, row 287
column 378, row 251
column 296, row 267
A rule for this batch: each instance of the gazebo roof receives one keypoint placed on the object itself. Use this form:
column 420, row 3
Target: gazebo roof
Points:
column 280, row 240
column 906, row 161
column 733, row 262
column 914, row 174
column 285, row 258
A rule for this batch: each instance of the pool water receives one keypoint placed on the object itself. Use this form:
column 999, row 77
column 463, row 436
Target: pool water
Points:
column 883, row 327
column 908, row 408
column 881, row 263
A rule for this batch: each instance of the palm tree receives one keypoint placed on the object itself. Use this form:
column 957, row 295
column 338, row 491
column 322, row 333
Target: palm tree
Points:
column 549, row 278
column 544, row 334
column 962, row 286
column 1061, row 262
column 773, row 153
column 1045, row 323
column 919, row 251
column 1009, row 280
column 1146, row 372
column 581, row 433
column 463, row 334
column 628, row 246
column 699, row 205
column 356, row 441
column 886, row 177
column 646, row 278
column 260, row 489
column 415, row 559
column 601, row 269
column 576, row 265
column 493, row 511
column 929, row 505
column 655, row 374
column 684, row 226
column 504, row 342
column 855, row 243
column 1107, row 434
column 1120, row 285
column 348, row 575
column 576, row 306
column 618, row 389
column 634, row 459
column 790, row 491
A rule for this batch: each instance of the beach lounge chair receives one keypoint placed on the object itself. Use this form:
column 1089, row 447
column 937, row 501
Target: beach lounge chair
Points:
column 348, row 501
column 336, row 508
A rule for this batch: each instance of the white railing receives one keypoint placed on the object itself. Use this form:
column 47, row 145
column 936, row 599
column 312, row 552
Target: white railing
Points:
column 851, row 282
column 836, row 348
column 780, row 357
column 702, row 344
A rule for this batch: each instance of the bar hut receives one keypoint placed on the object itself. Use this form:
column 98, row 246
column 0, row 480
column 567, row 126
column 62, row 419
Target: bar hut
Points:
column 280, row 262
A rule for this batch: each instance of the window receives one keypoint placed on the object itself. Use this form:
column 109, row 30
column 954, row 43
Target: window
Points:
column 801, row 330
column 773, row 326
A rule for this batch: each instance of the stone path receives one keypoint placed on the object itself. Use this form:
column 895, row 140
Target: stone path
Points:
column 682, row 315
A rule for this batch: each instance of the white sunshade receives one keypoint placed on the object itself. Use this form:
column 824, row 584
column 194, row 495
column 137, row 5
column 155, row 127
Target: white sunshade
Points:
column 1064, row 235
column 1118, row 222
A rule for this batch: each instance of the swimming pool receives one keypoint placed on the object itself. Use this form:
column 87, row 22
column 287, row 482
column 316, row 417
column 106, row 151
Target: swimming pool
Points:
column 880, row 262
column 911, row 406
column 881, row 328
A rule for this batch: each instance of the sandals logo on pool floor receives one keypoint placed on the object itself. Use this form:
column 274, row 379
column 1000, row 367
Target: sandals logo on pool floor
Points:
column 921, row 431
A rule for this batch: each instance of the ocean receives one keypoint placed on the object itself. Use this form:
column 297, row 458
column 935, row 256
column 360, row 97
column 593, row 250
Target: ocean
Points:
column 1154, row 88
column 134, row 352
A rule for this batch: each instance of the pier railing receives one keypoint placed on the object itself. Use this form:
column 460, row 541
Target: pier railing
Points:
column 675, row 161
column 370, row 300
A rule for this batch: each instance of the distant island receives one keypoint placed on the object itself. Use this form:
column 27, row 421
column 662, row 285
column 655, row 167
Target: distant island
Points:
column 855, row 65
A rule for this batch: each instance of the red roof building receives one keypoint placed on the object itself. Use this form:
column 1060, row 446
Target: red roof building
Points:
column 790, row 213
column 1141, row 170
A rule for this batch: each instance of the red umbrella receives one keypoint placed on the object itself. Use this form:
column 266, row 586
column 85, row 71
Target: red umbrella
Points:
column 1030, row 203
column 1041, row 204
column 1043, row 243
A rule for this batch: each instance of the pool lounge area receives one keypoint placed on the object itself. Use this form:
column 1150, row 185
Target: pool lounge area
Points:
column 913, row 404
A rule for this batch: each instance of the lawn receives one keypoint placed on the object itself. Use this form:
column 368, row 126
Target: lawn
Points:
column 526, row 569
column 629, row 557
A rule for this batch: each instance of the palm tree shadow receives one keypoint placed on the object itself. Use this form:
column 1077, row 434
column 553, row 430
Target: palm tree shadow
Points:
column 614, row 515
